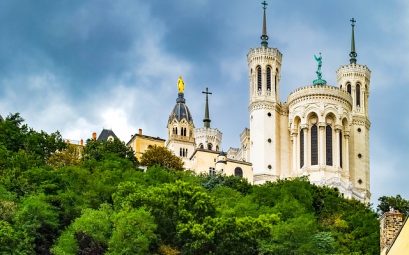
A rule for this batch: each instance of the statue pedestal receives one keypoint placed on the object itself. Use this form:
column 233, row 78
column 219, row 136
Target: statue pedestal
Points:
column 319, row 82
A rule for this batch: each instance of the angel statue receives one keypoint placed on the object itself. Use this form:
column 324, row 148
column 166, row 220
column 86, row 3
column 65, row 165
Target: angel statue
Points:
column 319, row 62
column 319, row 80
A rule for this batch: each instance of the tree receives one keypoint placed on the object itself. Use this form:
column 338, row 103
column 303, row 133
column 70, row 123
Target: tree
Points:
column 70, row 156
column 89, row 234
column 100, row 150
column 158, row 155
column 397, row 203
column 134, row 232
column 37, row 224
column 16, row 136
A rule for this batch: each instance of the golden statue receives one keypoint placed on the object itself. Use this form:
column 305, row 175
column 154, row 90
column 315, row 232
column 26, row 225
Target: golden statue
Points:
column 181, row 85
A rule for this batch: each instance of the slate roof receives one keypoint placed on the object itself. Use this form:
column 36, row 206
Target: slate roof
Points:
column 180, row 111
column 105, row 134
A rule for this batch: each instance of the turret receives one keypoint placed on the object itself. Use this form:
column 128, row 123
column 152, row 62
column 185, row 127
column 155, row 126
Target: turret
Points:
column 180, row 126
column 355, row 78
column 207, row 137
column 264, row 65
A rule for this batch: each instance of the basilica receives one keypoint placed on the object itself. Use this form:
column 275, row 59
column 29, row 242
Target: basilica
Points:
column 321, row 131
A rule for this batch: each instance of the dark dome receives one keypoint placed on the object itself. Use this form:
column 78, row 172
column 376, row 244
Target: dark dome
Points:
column 180, row 111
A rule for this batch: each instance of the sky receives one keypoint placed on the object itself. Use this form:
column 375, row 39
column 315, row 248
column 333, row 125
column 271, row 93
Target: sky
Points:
column 81, row 66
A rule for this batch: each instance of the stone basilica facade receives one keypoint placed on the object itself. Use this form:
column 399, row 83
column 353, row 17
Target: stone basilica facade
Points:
column 321, row 131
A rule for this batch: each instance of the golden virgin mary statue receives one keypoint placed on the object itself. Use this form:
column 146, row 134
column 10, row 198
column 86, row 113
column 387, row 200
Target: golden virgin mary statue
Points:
column 181, row 85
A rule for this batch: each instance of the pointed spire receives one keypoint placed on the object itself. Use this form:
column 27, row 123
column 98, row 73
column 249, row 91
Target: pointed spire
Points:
column 353, row 54
column 264, row 36
column 206, row 120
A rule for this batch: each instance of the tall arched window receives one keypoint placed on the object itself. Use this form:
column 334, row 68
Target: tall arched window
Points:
column 349, row 88
column 258, row 78
column 328, row 144
column 180, row 152
column 340, row 149
column 314, row 145
column 176, row 130
column 358, row 94
column 268, row 78
column 238, row 172
column 276, row 81
column 217, row 148
column 301, row 148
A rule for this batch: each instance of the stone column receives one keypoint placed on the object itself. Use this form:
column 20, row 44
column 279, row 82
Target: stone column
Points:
column 346, row 149
column 390, row 224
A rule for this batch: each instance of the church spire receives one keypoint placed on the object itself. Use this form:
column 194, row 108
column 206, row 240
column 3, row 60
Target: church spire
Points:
column 264, row 36
column 206, row 120
column 353, row 54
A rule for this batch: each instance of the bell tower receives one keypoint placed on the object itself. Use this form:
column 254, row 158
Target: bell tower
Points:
column 355, row 79
column 264, row 65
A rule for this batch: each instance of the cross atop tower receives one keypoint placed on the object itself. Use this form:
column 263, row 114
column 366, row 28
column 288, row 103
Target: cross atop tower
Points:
column 206, row 120
column 264, row 5
column 353, row 21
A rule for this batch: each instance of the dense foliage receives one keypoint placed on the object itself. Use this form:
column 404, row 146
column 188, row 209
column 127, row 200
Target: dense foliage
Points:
column 103, row 204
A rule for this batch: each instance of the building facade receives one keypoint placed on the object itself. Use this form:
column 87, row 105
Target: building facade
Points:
column 321, row 131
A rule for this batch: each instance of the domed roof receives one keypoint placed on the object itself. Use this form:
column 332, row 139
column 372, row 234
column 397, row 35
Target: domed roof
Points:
column 180, row 111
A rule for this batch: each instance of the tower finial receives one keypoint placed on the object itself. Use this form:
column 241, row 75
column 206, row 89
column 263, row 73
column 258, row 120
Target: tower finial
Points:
column 264, row 36
column 353, row 54
column 206, row 120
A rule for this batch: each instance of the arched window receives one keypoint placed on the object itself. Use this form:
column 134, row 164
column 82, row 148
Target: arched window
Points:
column 301, row 148
column 276, row 81
column 268, row 78
column 180, row 152
column 217, row 147
column 328, row 144
column 209, row 146
column 201, row 146
column 349, row 88
column 340, row 148
column 358, row 95
column 314, row 145
column 238, row 172
column 258, row 78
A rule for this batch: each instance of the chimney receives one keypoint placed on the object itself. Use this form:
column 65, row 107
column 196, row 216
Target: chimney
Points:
column 391, row 222
column 82, row 142
column 94, row 136
column 140, row 131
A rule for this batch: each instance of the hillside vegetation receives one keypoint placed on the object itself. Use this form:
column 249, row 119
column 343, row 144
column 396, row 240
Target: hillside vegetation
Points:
column 52, row 202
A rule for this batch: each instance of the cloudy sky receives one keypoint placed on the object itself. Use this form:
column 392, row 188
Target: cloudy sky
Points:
column 80, row 66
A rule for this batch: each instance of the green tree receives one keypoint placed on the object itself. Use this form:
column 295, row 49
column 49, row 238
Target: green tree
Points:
column 37, row 224
column 100, row 150
column 134, row 232
column 158, row 155
column 395, row 202
column 88, row 234
column 71, row 156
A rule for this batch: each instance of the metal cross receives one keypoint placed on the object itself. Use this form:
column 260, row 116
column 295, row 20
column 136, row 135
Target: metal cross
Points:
column 264, row 5
column 353, row 21
column 207, row 92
